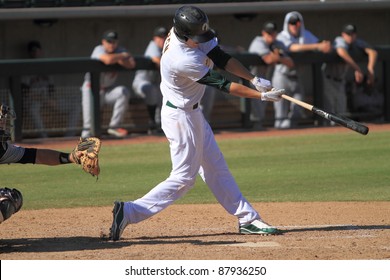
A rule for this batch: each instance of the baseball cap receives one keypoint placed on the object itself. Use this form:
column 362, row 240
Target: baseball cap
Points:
column 110, row 35
column 160, row 32
column 293, row 19
column 270, row 27
column 349, row 29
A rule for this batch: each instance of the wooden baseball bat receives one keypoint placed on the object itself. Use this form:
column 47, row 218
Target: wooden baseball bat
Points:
column 346, row 122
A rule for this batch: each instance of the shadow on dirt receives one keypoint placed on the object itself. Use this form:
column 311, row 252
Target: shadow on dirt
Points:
column 189, row 239
column 337, row 228
column 58, row 244
column 77, row 243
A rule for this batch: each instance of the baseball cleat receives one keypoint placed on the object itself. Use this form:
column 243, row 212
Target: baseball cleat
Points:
column 119, row 222
column 259, row 227
column 117, row 132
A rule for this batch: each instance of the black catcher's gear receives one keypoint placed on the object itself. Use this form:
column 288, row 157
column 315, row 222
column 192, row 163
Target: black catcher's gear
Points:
column 11, row 200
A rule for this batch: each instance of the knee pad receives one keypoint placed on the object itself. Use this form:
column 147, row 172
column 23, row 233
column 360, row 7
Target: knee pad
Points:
column 7, row 209
column 10, row 202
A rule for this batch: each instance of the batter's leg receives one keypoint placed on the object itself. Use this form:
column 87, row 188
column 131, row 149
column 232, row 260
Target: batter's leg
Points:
column 185, row 144
column 215, row 172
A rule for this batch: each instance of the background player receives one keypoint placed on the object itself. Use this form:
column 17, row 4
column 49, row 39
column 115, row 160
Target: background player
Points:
column 296, row 38
column 109, row 52
column 146, row 83
column 189, row 53
column 335, row 74
column 272, row 52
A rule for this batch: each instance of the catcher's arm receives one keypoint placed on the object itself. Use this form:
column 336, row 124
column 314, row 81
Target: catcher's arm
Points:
column 86, row 153
column 10, row 202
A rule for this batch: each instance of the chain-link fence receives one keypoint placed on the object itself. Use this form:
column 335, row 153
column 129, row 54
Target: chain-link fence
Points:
column 45, row 113
column 58, row 113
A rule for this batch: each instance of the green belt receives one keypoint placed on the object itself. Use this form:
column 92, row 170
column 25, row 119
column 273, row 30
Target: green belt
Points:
column 169, row 104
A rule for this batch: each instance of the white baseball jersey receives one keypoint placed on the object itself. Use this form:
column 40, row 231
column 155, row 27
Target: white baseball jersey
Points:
column 340, row 69
column 107, row 79
column 260, row 47
column 181, row 67
column 148, row 76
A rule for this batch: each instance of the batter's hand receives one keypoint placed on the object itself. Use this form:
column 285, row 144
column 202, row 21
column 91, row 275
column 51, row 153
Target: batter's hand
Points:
column 261, row 84
column 273, row 95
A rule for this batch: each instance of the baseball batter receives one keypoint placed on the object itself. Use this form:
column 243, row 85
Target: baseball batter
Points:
column 189, row 53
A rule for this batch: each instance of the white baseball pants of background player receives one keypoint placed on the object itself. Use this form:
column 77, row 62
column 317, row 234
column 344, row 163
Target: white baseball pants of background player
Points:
column 193, row 151
column 118, row 96
column 285, row 111
column 148, row 91
column 151, row 93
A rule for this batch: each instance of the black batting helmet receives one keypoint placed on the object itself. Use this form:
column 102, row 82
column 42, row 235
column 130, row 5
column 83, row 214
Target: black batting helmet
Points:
column 191, row 22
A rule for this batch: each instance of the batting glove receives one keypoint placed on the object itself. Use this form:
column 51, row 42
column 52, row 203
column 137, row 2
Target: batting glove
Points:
column 273, row 95
column 261, row 84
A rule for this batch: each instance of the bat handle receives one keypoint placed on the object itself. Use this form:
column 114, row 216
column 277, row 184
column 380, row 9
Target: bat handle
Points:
column 298, row 102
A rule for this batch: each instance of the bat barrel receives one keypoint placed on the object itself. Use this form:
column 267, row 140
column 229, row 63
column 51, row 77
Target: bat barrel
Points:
column 348, row 123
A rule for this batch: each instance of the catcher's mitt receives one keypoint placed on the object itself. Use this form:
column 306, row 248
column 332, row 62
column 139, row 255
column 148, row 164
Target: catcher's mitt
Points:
column 10, row 202
column 86, row 153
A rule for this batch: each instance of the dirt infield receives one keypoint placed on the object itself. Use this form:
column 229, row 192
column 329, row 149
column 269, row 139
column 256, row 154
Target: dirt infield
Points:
column 311, row 230
column 331, row 231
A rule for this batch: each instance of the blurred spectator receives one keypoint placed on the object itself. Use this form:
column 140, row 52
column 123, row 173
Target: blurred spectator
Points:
column 272, row 52
column 348, row 46
column 38, row 91
column 296, row 38
column 109, row 52
column 146, row 83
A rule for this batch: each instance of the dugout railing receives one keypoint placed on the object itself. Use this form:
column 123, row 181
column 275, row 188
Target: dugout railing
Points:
column 13, row 70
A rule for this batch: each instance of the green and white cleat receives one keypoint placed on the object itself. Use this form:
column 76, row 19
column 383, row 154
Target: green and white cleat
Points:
column 259, row 227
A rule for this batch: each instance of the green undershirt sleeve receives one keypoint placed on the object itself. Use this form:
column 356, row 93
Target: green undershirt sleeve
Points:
column 215, row 79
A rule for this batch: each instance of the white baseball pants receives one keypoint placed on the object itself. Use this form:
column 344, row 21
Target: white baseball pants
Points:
column 193, row 151
column 118, row 96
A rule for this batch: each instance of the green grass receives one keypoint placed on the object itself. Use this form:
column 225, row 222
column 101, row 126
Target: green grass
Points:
column 319, row 167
